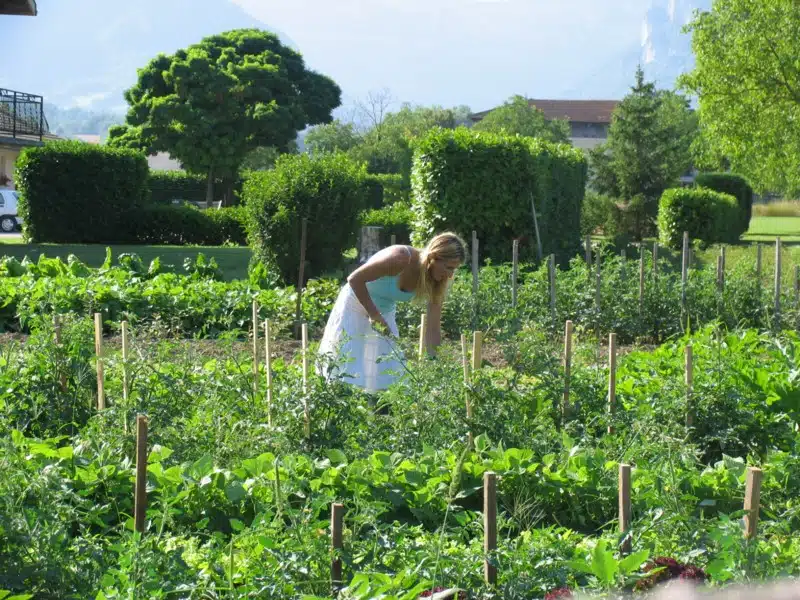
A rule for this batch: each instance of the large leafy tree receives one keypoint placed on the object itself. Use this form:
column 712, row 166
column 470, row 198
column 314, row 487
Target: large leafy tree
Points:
column 648, row 149
column 213, row 103
column 747, row 79
column 336, row 136
column 517, row 116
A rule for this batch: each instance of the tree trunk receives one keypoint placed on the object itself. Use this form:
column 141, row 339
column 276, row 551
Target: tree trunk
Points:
column 210, row 187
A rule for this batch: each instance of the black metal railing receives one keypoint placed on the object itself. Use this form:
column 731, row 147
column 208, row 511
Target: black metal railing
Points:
column 22, row 115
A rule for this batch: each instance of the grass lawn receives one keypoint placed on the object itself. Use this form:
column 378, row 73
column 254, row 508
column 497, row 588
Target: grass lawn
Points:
column 232, row 260
column 768, row 228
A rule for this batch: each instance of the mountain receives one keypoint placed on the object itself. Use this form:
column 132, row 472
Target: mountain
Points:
column 85, row 53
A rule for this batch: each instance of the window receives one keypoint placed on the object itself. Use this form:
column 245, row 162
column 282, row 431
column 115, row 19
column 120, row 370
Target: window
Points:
column 2, row 200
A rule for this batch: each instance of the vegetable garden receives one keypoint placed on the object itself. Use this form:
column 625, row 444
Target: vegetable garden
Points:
column 537, row 463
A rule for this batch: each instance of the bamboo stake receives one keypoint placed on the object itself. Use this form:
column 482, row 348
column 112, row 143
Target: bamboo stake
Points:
column 477, row 350
column 467, row 398
column 752, row 501
column 539, row 252
column 778, row 268
column 551, row 267
column 299, row 309
column 612, row 377
column 587, row 247
column 423, row 335
column 489, row 525
column 567, row 364
column 514, row 272
column 140, row 494
column 255, row 347
column 337, row 518
column 125, row 374
column 98, row 350
column 57, row 330
column 268, row 369
column 655, row 260
column 306, row 415
column 689, row 380
column 625, row 507
column 641, row 278
column 758, row 262
column 684, row 270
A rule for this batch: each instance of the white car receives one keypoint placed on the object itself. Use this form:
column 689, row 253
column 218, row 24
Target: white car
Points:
column 9, row 221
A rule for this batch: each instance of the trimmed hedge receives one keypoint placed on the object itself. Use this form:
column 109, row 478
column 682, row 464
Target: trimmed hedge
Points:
column 186, row 225
column 464, row 180
column 78, row 193
column 166, row 186
column 384, row 189
column 328, row 190
column 709, row 216
column 735, row 185
column 395, row 219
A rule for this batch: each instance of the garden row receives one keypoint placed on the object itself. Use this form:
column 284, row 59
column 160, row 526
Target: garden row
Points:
column 625, row 295
column 239, row 508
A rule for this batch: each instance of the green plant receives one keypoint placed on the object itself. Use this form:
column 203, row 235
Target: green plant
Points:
column 166, row 186
column 395, row 219
column 72, row 192
column 736, row 186
column 327, row 191
column 187, row 225
column 465, row 180
column 706, row 215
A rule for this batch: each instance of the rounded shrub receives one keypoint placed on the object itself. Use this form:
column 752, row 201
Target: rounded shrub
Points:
column 735, row 185
column 709, row 216
column 328, row 191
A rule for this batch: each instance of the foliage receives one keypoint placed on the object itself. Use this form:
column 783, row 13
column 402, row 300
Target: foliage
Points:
column 457, row 172
column 746, row 80
column 736, row 186
column 213, row 103
column 396, row 219
column 166, row 186
column 328, row 191
column 518, row 117
column 707, row 215
column 385, row 189
column 335, row 136
column 189, row 226
column 648, row 148
column 72, row 192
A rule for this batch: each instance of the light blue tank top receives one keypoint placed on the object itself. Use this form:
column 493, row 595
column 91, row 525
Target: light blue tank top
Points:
column 386, row 293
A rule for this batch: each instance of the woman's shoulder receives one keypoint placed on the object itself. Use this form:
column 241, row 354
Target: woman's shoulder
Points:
column 398, row 256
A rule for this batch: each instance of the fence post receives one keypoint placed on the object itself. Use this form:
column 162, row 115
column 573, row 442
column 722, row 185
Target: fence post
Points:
column 778, row 268
column 684, row 271
column 567, row 365
column 489, row 525
column 477, row 350
column 300, row 276
column 140, row 493
column 752, row 501
column 689, row 381
column 98, row 350
column 255, row 346
column 625, row 507
column 612, row 378
column 306, row 414
column 551, row 267
column 641, row 278
column 268, row 369
column 514, row 272
column 423, row 335
column 337, row 517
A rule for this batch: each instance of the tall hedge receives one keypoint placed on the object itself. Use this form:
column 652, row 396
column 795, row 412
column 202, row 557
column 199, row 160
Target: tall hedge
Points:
column 735, row 185
column 188, row 226
column 328, row 190
column 73, row 192
column 166, row 186
column 384, row 189
column 709, row 216
column 464, row 180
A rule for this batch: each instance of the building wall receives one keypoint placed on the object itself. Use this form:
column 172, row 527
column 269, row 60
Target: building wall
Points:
column 589, row 130
column 586, row 143
column 8, row 157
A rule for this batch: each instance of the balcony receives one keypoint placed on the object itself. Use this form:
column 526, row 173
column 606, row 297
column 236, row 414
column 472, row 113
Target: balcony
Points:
column 18, row 7
column 22, row 120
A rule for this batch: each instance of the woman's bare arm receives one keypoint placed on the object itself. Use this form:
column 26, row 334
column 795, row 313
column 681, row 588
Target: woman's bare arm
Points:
column 387, row 262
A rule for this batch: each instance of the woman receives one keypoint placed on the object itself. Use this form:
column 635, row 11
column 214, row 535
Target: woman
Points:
column 361, row 326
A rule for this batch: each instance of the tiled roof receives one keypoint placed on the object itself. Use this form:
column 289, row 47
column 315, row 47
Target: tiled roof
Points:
column 583, row 111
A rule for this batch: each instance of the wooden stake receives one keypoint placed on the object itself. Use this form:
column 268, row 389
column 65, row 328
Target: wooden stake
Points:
column 467, row 398
column 778, row 268
column 268, row 369
column 475, row 259
column 255, row 347
column 689, row 381
column 752, row 501
column 567, row 364
column 641, row 278
column 57, row 329
column 489, row 525
column 612, row 377
column 539, row 251
column 720, row 275
column 125, row 376
column 655, row 260
column 393, row 240
column 98, row 350
column 299, row 308
column 514, row 272
column 598, row 285
column 477, row 350
column 587, row 247
column 423, row 335
column 722, row 254
column 551, row 267
column 337, row 518
column 140, row 494
column 684, row 270
column 625, row 507
column 306, row 415
column 796, row 285
column 758, row 263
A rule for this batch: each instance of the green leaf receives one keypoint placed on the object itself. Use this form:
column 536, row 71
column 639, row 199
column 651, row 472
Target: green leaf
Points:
column 604, row 565
column 235, row 492
column 631, row 563
column 337, row 457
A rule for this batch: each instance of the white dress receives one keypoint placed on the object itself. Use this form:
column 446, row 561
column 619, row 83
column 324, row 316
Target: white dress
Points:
column 352, row 350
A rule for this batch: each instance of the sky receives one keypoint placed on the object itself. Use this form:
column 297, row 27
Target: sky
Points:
column 453, row 52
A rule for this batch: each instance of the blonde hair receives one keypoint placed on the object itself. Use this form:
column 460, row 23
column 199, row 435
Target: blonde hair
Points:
column 445, row 246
